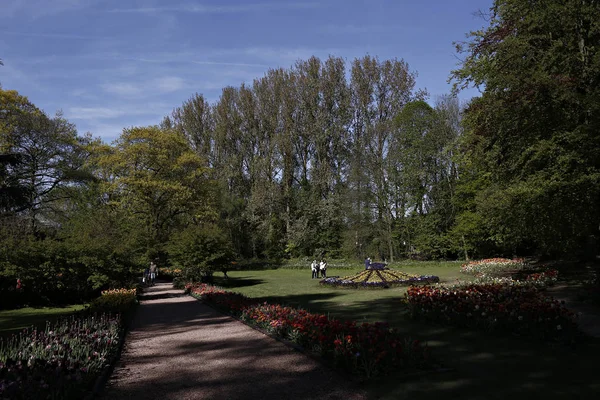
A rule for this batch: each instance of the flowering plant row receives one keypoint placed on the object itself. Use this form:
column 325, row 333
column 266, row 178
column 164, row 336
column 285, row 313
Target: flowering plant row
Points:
column 539, row 280
column 517, row 309
column 378, row 278
column 114, row 300
column 364, row 349
column 63, row 361
column 493, row 266
column 169, row 273
column 543, row 279
column 60, row 362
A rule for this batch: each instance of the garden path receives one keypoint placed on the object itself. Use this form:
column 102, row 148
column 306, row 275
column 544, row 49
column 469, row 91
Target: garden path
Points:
column 179, row 348
column 588, row 312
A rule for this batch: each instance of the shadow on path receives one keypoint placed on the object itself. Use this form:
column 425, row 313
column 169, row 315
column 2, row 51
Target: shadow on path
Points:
column 179, row 348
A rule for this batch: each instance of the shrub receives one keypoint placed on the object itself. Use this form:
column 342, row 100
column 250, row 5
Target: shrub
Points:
column 199, row 251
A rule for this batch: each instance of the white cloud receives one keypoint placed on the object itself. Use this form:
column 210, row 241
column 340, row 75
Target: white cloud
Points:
column 144, row 88
column 49, row 35
column 119, row 110
column 94, row 112
column 206, row 9
column 124, row 89
column 185, row 58
column 169, row 84
column 350, row 29
column 41, row 8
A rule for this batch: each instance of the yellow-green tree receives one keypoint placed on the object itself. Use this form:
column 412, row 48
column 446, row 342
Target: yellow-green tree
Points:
column 152, row 173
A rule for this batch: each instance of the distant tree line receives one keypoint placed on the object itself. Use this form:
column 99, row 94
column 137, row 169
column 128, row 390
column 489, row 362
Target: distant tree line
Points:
column 312, row 161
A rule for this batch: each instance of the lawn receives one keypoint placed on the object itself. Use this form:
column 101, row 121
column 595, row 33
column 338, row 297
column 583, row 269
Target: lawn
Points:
column 482, row 366
column 12, row 321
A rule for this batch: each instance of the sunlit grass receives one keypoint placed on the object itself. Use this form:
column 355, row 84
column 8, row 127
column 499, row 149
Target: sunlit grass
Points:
column 21, row 318
column 481, row 364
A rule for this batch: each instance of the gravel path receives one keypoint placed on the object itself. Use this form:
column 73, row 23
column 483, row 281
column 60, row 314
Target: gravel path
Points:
column 179, row 348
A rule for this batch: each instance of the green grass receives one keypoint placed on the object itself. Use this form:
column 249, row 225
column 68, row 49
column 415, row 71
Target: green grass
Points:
column 482, row 366
column 295, row 287
column 12, row 321
column 346, row 264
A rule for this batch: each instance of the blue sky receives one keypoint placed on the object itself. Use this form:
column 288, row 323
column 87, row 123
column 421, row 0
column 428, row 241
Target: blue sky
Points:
column 111, row 64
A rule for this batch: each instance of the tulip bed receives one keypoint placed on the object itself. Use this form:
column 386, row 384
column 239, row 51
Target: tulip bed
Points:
column 513, row 308
column 169, row 274
column 540, row 280
column 493, row 266
column 378, row 278
column 65, row 359
column 115, row 300
column 366, row 350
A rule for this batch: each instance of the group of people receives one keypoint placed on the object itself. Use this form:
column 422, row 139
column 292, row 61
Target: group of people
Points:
column 149, row 277
column 318, row 268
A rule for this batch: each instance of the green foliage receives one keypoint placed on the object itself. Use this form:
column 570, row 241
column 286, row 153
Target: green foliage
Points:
column 59, row 271
column 533, row 134
column 158, row 180
column 41, row 159
column 201, row 250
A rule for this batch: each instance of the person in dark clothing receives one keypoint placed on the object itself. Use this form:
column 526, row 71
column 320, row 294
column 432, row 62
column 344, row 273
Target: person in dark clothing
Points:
column 367, row 263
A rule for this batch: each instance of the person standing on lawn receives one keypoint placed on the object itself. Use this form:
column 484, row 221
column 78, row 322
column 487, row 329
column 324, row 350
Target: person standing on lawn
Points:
column 315, row 269
column 367, row 263
column 323, row 268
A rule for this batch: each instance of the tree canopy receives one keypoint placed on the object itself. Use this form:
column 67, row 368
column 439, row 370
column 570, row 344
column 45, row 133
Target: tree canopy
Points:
column 531, row 146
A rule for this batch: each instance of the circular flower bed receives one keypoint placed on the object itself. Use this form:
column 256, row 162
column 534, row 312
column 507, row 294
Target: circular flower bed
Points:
column 378, row 278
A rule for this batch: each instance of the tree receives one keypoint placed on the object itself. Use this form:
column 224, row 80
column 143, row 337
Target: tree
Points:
column 533, row 134
column 380, row 90
column 200, row 250
column 41, row 157
column 155, row 176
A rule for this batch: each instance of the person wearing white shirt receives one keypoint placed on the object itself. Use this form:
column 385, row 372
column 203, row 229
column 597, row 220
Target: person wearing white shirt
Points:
column 315, row 269
column 323, row 268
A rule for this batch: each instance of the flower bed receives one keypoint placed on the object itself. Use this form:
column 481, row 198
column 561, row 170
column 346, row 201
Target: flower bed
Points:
column 493, row 266
column 543, row 279
column 65, row 359
column 364, row 349
column 114, row 300
column 519, row 309
column 539, row 280
column 168, row 274
column 378, row 278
